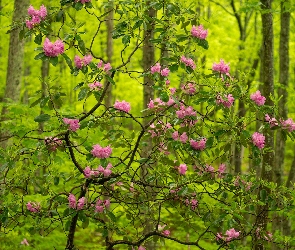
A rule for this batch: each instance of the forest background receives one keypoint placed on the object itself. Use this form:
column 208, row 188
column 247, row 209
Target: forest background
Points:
column 235, row 35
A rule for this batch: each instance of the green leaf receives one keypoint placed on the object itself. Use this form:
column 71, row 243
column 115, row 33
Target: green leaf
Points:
column 78, row 6
column 137, row 24
column 85, row 223
column 263, row 195
column 35, row 102
column 42, row 118
column 112, row 216
column 111, row 80
column 21, row 34
column 59, row 16
column 82, row 94
column 68, row 60
column 44, row 101
column 164, row 96
column 53, row 60
column 126, row 39
column 173, row 67
column 203, row 43
column 40, row 56
column 56, row 180
column 81, row 45
column 38, row 39
column 209, row 142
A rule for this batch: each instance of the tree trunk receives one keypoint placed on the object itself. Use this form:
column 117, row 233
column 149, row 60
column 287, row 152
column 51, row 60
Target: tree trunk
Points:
column 268, row 80
column 110, row 27
column 148, row 93
column 15, row 61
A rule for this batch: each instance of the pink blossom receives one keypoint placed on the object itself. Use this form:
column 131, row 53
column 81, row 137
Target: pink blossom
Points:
column 258, row 98
column 188, row 62
column 100, row 205
column 183, row 138
column 100, row 64
column 268, row 236
column 74, row 123
column 53, row 49
column 199, row 32
column 232, row 234
column 33, row 207
column 36, row 16
column 167, row 82
column 83, row 1
column 183, row 112
column 194, row 204
column 107, row 67
column 80, row 62
column 182, row 169
column 165, row 72
column 272, row 121
column 198, row 145
column 141, row 248
column 81, row 203
column 107, row 171
column 123, row 106
column 189, row 88
column 156, row 68
column 95, row 86
column 175, row 135
column 219, row 236
column 226, row 103
column 166, row 232
column 101, row 152
column 221, row 67
column 24, row 242
column 172, row 91
column 288, row 124
column 221, row 170
column 42, row 11
column 72, row 201
column 52, row 143
column 258, row 140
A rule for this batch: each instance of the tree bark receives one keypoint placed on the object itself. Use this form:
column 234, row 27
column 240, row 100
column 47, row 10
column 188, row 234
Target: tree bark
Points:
column 268, row 80
column 110, row 27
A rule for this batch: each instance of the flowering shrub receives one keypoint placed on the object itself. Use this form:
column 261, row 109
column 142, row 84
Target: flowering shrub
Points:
column 172, row 165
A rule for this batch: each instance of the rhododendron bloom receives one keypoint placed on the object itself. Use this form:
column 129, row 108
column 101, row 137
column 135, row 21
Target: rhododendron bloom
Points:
column 198, row 145
column 165, row 72
column 232, row 234
column 73, row 123
column 80, row 62
column 188, row 62
column 258, row 140
column 123, row 106
column 221, row 67
column 183, row 138
column 221, row 169
column 166, row 232
column 100, row 152
column 194, row 204
column 107, row 67
column 272, row 121
column 72, row 201
column 258, row 98
column 101, row 205
column 189, row 88
column 24, row 242
column 83, row 1
column 199, row 32
column 183, row 112
column 288, row 124
column 53, row 49
column 81, row 203
column 95, row 86
column 33, row 207
column 156, row 68
column 141, row 248
column 226, row 103
column 182, row 169
column 36, row 16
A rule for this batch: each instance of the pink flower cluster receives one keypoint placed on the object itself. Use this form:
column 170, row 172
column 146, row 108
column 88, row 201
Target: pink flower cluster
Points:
column 159, row 129
column 106, row 67
column 246, row 184
column 36, row 16
column 157, row 103
column 33, row 207
column 184, row 112
column 231, row 234
column 52, row 143
column 189, row 88
column 24, row 242
column 198, row 145
column 188, row 62
column 221, row 67
column 73, row 124
column 83, row 1
column 73, row 203
column 288, row 124
column 157, row 69
column 272, row 121
column 53, row 49
column 199, row 32
column 123, row 106
column 193, row 203
column 183, row 137
column 101, row 205
column 227, row 101
column 221, row 170
column 182, row 169
column 258, row 98
column 88, row 172
column 95, row 86
column 80, row 62
column 100, row 152
column 258, row 140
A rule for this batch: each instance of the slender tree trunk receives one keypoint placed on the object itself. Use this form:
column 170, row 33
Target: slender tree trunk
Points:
column 281, row 223
column 148, row 94
column 15, row 62
column 268, row 80
column 110, row 27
